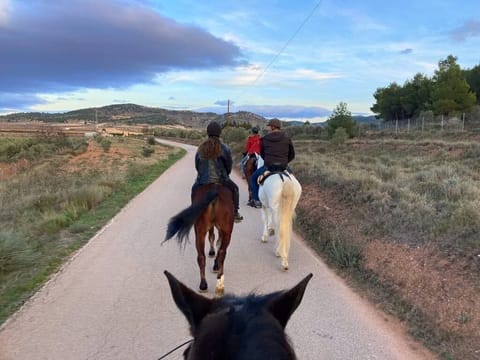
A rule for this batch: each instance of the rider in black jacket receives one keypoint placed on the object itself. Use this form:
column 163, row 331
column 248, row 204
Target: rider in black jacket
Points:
column 277, row 151
column 213, row 162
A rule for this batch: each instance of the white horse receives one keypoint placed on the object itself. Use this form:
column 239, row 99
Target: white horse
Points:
column 279, row 195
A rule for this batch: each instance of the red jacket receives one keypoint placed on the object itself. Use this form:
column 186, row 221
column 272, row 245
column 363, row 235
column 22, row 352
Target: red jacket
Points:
column 253, row 144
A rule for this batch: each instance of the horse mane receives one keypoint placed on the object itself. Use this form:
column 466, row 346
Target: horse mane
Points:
column 238, row 328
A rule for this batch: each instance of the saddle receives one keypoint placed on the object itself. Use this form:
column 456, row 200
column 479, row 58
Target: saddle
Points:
column 272, row 171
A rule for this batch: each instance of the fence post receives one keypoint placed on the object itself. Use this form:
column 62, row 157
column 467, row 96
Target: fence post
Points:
column 408, row 126
column 463, row 122
column 442, row 123
column 396, row 126
column 423, row 122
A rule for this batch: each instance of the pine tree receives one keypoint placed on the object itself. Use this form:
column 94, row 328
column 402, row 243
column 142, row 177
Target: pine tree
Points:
column 451, row 92
column 341, row 118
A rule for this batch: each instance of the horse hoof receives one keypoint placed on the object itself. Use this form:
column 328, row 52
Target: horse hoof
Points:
column 264, row 239
column 271, row 232
column 211, row 254
column 203, row 287
column 277, row 254
column 285, row 268
column 219, row 292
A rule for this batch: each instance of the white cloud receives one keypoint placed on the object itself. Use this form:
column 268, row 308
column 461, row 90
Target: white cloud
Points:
column 253, row 74
column 4, row 10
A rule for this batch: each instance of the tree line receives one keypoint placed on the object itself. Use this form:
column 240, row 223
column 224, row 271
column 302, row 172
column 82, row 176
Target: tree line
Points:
column 450, row 91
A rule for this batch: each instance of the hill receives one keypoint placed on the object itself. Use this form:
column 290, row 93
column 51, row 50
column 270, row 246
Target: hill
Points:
column 132, row 114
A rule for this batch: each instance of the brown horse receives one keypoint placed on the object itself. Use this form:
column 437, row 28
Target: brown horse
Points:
column 212, row 207
column 250, row 167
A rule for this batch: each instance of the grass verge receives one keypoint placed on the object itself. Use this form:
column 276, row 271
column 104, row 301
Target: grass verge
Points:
column 30, row 256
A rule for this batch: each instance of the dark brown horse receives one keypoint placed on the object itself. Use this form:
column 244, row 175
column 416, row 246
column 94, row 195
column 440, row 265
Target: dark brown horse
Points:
column 240, row 328
column 212, row 207
column 250, row 167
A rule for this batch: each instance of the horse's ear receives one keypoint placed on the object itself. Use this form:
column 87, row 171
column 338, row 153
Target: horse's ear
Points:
column 286, row 302
column 192, row 305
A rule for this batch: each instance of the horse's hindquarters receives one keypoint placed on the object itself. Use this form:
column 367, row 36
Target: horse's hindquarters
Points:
column 280, row 196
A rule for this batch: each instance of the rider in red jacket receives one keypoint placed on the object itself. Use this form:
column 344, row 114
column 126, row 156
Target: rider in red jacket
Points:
column 252, row 146
column 253, row 142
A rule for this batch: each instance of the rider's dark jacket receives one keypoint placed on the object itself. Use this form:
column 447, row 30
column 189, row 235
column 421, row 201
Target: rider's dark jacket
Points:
column 214, row 170
column 277, row 149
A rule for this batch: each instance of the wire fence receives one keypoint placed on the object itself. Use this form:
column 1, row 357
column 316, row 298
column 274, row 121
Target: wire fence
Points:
column 429, row 123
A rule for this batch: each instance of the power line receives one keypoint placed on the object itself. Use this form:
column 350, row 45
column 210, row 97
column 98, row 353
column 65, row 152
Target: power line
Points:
column 288, row 42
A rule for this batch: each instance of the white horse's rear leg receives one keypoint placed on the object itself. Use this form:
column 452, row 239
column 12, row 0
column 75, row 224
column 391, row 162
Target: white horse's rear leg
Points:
column 283, row 249
column 266, row 222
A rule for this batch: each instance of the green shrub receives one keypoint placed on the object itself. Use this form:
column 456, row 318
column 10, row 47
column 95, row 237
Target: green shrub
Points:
column 339, row 137
column 52, row 223
column 344, row 253
column 106, row 144
column 147, row 151
column 151, row 140
column 15, row 252
column 87, row 196
column 78, row 228
column 232, row 135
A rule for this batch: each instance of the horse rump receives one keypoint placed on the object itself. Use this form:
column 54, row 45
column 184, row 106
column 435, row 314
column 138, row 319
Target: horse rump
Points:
column 181, row 223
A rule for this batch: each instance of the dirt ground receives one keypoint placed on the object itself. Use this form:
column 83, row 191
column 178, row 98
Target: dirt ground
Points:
column 441, row 287
column 91, row 158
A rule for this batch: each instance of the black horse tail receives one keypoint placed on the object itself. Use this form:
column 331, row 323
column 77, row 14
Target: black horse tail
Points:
column 181, row 223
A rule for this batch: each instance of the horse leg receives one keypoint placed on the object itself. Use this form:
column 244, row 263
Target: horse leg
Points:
column 215, row 262
column 265, row 218
column 211, row 240
column 283, row 248
column 284, row 234
column 200, row 245
column 250, row 196
column 222, row 253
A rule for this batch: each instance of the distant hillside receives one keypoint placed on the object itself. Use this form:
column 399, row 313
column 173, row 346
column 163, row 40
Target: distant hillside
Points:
column 367, row 119
column 136, row 114
column 358, row 118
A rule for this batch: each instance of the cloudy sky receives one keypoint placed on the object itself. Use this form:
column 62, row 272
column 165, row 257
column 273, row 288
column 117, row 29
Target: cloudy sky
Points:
column 278, row 58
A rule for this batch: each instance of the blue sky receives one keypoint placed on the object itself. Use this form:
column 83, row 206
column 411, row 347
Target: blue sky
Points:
column 277, row 58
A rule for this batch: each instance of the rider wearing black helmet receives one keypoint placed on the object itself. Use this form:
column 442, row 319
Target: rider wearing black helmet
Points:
column 213, row 162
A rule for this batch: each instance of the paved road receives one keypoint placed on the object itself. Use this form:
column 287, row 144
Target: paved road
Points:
column 112, row 301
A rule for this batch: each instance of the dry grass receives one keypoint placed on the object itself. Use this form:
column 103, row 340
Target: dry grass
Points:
column 407, row 214
column 47, row 202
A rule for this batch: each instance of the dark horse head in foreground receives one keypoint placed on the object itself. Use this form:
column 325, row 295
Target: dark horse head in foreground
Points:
column 238, row 328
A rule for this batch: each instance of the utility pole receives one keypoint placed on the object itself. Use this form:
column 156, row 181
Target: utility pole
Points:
column 228, row 106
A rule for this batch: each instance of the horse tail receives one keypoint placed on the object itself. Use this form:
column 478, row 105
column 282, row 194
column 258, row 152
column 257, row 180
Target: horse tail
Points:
column 286, row 212
column 181, row 223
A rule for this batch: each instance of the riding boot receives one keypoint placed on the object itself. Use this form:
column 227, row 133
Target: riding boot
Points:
column 236, row 201
column 237, row 217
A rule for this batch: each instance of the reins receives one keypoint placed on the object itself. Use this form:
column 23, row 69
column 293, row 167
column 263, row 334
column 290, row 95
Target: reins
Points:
column 175, row 349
